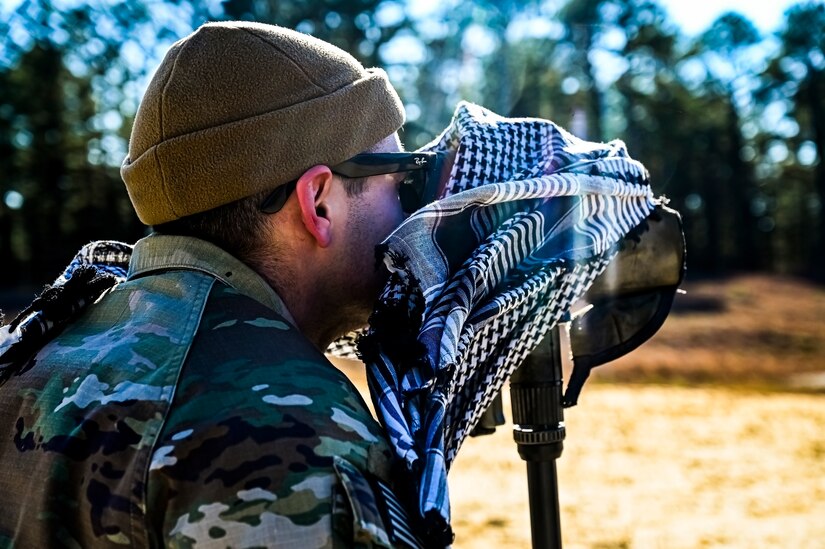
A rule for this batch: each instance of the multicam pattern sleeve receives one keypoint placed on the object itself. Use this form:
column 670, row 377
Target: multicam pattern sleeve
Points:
column 246, row 455
column 178, row 412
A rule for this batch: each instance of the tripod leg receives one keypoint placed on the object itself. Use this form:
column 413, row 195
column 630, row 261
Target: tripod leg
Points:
column 536, row 400
column 543, row 487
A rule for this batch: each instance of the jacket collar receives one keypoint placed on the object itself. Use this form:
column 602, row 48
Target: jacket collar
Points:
column 160, row 252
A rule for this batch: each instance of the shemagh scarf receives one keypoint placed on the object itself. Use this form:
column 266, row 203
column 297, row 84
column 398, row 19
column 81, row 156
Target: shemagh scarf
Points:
column 529, row 217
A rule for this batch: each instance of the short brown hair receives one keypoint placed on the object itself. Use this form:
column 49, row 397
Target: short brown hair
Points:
column 235, row 227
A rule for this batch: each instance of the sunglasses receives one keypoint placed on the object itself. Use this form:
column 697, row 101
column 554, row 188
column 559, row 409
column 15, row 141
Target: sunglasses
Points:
column 421, row 181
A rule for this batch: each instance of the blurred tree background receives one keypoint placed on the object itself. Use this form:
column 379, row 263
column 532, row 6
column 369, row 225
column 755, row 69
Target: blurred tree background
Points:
column 731, row 123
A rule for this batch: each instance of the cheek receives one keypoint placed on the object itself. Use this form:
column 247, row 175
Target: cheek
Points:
column 389, row 211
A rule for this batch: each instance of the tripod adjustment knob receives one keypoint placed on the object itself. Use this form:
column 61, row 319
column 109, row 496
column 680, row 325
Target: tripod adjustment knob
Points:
column 536, row 404
column 541, row 436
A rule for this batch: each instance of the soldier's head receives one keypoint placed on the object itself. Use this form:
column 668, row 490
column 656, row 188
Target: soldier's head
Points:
column 238, row 140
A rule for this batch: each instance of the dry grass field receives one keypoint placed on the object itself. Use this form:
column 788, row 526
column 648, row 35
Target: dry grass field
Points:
column 661, row 467
column 710, row 435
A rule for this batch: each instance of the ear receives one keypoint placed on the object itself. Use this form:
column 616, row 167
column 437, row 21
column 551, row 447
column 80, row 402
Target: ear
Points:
column 312, row 190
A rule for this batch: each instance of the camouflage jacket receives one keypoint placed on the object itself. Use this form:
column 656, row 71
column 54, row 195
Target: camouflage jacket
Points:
column 184, row 409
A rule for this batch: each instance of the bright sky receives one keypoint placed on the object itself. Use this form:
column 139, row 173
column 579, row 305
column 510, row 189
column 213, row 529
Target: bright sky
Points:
column 695, row 16
column 692, row 16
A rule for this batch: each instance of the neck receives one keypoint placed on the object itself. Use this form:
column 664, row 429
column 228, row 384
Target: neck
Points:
column 320, row 323
column 321, row 314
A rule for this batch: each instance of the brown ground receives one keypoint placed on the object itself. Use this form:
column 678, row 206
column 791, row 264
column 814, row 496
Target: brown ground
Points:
column 710, row 435
column 750, row 330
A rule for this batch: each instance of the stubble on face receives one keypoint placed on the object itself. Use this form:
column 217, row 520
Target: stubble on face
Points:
column 358, row 279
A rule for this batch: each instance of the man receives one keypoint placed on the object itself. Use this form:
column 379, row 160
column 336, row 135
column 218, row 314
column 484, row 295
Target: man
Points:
column 192, row 404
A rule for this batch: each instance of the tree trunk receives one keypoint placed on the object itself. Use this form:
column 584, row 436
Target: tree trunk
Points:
column 741, row 185
column 594, row 94
column 816, row 261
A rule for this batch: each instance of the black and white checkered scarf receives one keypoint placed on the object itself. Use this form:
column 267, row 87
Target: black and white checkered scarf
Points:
column 530, row 216
column 94, row 270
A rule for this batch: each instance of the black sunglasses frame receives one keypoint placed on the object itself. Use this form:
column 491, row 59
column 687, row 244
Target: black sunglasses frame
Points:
column 417, row 190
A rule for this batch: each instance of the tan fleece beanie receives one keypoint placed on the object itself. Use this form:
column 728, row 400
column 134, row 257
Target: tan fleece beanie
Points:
column 238, row 108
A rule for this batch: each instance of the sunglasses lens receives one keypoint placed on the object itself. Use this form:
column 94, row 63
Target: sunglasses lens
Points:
column 410, row 191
